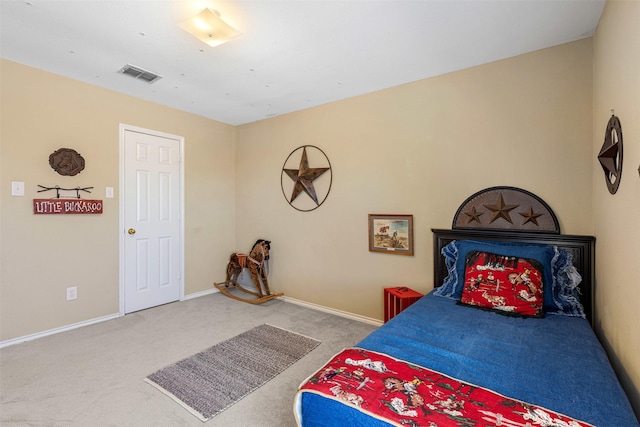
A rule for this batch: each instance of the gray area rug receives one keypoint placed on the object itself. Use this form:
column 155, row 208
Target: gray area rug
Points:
column 209, row 382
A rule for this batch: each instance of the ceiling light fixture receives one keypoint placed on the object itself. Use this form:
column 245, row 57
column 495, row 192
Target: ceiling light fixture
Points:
column 208, row 27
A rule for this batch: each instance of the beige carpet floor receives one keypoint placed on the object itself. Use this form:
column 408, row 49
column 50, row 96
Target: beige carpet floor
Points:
column 93, row 376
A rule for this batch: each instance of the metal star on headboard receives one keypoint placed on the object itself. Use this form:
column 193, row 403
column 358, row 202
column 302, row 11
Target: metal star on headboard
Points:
column 473, row 215
column 502, row 203
column 500, row 210
column 530, row 216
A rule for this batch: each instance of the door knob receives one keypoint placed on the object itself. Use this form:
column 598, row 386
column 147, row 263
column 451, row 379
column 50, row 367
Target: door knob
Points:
column 131, row 231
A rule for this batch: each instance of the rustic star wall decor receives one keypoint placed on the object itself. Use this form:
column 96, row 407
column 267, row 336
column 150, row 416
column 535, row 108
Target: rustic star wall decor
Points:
column 500, row 210
column 473, row 215
column 530, row 216
column 610, row 156
column 303, row 178
column 531, row 212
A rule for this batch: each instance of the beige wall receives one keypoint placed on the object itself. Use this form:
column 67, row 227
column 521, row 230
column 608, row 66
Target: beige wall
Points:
column 419, row 149
column 533, row 121
column 617, row 217
column 41, row 255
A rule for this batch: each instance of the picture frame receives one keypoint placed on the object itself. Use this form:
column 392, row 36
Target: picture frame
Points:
column 391, row 234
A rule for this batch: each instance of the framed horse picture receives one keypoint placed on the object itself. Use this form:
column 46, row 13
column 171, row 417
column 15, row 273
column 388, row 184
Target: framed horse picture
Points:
column 391, row 234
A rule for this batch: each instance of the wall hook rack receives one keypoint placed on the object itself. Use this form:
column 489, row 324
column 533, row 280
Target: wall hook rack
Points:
column 58, row 188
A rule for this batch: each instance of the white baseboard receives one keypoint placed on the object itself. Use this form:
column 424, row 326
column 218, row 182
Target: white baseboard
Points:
column 333, row 311
column 359, row 318
column 19, row 340
column 200, row 294
column 364, row 319
column 37, row 335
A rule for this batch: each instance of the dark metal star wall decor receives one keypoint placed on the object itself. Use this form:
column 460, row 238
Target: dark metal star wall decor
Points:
column 500, row 210
column 473, row 215
column 530, row 216
column 610, row 156
column 303, row 179
column 502, row 203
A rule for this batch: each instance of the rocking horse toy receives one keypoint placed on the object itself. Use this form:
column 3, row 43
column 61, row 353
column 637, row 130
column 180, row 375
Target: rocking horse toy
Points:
column 257, row 264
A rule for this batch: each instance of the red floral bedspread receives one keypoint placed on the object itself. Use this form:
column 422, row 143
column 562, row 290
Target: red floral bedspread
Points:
column 405, row 394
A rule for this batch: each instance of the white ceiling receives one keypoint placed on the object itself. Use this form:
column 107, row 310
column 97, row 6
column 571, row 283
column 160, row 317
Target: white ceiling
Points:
column 292, row 54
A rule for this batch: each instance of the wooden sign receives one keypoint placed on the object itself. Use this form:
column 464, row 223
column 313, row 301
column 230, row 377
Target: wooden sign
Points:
column 66, row 206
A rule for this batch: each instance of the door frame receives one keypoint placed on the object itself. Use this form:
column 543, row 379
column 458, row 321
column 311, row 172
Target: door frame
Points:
column 121, row 203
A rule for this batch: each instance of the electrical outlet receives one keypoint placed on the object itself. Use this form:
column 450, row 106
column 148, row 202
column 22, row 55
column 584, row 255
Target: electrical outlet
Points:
column 17, row 188
column 72, row 293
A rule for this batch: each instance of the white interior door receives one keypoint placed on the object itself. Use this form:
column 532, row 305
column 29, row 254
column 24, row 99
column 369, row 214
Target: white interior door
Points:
column 152, row 249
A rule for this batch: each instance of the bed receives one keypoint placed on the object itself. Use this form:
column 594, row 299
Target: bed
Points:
column 505, row 338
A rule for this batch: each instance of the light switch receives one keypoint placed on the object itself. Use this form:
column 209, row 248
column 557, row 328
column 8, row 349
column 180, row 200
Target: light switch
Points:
column 17, row 188
column 109, row 193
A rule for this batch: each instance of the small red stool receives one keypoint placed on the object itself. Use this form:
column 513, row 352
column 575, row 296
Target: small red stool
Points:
column 397, row 299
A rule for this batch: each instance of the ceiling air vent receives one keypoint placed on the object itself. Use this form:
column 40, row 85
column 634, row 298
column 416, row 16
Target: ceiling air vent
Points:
column 139, row 73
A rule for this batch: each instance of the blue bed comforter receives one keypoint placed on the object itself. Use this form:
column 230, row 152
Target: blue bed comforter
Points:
column 555, row 362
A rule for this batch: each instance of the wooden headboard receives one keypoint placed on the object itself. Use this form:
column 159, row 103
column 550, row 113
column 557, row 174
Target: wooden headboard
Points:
column 505, row 214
